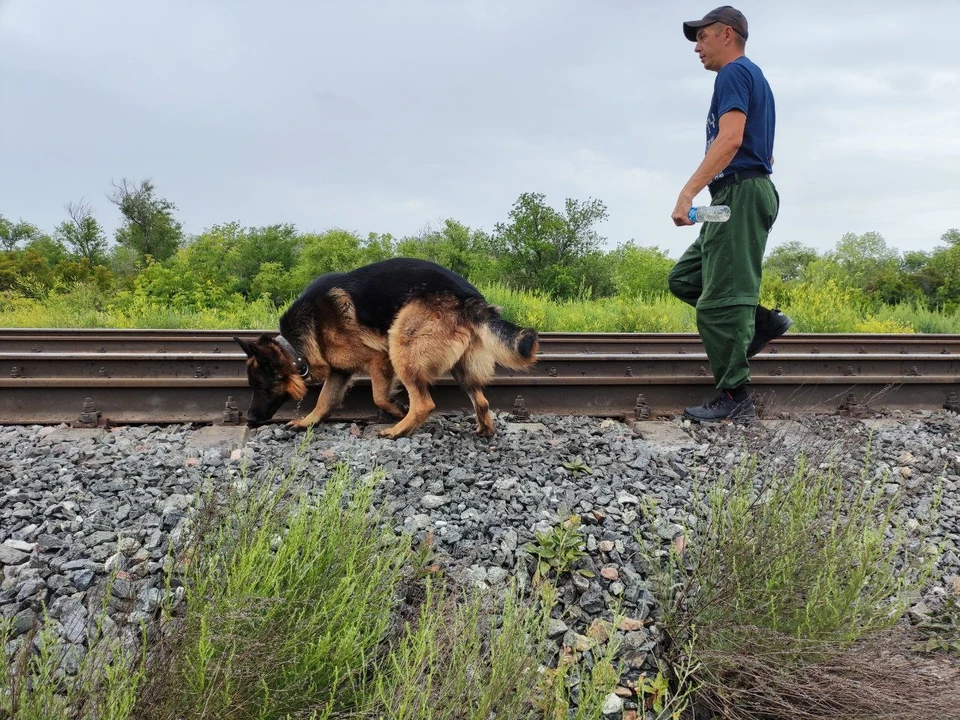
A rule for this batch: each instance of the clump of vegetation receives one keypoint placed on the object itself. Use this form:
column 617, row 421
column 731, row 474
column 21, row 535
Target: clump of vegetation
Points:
column 300, row 602
column 558, row 548
column 785, row 598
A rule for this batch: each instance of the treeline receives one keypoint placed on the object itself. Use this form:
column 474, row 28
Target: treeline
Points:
column 555, row 253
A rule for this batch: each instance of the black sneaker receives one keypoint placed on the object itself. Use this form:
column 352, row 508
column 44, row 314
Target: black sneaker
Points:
column 724, row 407
column 774, row 325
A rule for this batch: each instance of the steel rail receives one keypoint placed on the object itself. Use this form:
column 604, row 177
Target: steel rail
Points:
column 232, row 365
column 577, row 373
column 38, row 340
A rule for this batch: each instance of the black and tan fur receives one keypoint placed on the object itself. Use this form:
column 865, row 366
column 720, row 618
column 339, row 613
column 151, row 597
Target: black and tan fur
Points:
column 400, row 320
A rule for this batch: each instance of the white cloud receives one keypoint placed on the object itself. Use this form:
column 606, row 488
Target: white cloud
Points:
column 386, row 115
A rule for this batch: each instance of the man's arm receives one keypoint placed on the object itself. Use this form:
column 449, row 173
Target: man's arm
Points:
column 721, row 152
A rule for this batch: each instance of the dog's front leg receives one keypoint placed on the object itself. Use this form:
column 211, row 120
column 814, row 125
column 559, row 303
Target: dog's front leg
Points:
column 331, row 395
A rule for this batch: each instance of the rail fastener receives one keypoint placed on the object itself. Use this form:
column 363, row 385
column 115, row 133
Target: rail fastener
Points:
column 952, row 403
column 231, row 412
column 641, row 410
column 520, row 411
column 90, row 416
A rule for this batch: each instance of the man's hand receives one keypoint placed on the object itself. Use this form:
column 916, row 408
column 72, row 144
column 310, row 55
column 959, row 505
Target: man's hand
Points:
column 684, row 203
column 721, row 151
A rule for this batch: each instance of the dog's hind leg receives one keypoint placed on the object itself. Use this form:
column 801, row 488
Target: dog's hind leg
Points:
column 381, row 380
column 425, row 342
column 473, row 387
column 331, row 395
column 472, row 372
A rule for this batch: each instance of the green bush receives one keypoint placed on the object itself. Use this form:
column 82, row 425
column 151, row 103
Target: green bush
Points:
column 784, row 591
column 295, row 608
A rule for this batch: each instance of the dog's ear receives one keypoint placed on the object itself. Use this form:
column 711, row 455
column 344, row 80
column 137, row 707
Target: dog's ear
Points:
column 248, row 346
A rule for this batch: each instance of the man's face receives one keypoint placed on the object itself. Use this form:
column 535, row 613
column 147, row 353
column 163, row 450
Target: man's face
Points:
column 711, row 41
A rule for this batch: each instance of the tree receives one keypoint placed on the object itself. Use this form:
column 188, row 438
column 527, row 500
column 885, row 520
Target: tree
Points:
column 542, row 248
column 455, row 247
column 6, row 230
column 641, row 270
column 274, row 245
column 82, row 233
column 149, row 226
column 865, row 257
column 945, row 264
column 50, row 249
column 789, row 260
column 333, row 251
column 914, row 260
column 11, row 234
column 951, row 237
column 579, row 236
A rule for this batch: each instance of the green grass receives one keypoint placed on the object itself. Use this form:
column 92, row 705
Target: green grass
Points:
column 85, row 307
column 814, row 309
column 789, row 587
column 303, row 604
column 35, row 683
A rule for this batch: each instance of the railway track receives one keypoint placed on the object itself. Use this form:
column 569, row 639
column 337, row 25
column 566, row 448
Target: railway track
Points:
column 85, row 377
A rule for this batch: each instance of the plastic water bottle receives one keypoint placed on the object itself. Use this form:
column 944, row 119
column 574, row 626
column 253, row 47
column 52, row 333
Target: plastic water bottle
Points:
column 711, row 213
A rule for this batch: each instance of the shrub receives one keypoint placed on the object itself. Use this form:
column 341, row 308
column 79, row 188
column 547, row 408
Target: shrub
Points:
column 785, row 593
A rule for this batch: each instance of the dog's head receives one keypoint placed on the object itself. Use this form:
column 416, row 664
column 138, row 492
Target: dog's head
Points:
column 273, row 377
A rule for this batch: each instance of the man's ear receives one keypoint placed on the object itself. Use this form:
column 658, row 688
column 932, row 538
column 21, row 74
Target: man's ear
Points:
column 248, row 346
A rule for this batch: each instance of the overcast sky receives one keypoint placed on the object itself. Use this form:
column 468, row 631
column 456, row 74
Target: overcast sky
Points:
column 380, row 116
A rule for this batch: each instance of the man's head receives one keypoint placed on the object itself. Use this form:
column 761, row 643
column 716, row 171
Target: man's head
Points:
column 720, row 36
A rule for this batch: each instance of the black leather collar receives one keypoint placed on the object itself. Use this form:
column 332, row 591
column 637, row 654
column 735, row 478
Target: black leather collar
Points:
column 302, row 367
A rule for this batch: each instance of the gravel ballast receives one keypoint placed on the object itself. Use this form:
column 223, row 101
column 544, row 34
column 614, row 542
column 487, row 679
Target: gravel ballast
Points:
column 78, row 504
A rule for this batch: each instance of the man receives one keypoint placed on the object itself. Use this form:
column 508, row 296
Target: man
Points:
column 720, row 273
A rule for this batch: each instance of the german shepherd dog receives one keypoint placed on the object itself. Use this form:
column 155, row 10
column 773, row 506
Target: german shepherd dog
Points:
column 400, row 319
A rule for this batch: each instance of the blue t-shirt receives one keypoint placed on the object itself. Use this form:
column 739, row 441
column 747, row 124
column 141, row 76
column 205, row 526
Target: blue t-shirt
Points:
column 740, row 85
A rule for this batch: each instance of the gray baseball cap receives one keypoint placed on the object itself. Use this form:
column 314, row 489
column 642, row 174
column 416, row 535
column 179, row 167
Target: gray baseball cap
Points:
column 725, row 14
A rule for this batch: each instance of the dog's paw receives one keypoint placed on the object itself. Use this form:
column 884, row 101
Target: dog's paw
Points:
column 392, row 433
column 485, row 430
column 301, row 424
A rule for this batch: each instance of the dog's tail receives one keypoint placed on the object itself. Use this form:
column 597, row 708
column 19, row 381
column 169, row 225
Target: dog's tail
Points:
column 509, row 345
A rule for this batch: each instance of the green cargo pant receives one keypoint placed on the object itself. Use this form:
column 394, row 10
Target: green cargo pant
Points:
column 720, row 276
